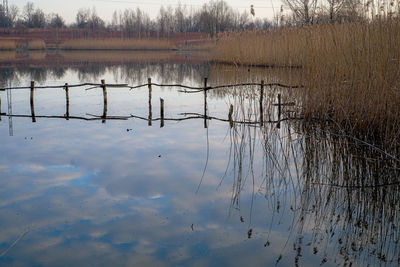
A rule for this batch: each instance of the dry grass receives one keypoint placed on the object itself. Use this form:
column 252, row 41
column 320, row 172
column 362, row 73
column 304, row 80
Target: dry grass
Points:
column 350, row 71
column 277, row 47
column 117, row 56
column 118, row 44
column 36, row 44
column 7, row 45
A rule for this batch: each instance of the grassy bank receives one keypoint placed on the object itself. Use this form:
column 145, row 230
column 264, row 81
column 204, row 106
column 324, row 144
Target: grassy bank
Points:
column 33, row 45
column 16, row 44
column 118, row 44
column 350, row 71
column 7, row 45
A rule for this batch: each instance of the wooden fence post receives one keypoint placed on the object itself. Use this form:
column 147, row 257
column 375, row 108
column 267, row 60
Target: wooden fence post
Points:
column 66, row 88
column 230, row 116
column 103, row 85
column 205, row 103
column 150, row 106
column 279, row 111
column 262, row 103
column 33, row 101
column 162, row 112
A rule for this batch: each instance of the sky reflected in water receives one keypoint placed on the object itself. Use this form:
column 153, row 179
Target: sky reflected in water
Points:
column 76, row 192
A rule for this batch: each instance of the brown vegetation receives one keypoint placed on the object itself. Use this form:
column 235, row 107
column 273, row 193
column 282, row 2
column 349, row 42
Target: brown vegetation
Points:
column 117, row 44
column 7, row 45
column 350, row 71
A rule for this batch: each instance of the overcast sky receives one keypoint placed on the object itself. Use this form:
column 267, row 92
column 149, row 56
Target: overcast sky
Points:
column 105, row 8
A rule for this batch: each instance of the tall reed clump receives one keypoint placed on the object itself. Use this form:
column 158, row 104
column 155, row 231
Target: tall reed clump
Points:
column 351, row 74
column 279, row 47
column 350, row 71
column 117, row 44
column 7, row 45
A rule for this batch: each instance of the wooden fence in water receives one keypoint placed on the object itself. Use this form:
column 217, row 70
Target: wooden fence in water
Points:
column 184, row 88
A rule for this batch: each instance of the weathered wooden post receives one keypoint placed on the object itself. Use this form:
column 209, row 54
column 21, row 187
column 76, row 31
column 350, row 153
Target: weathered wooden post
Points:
column 66, row 88
column 0, row 107
column 103, row 85
column 230, row 116
column 32, row 101
column 162, row 112
column 279, row 111
column 262, row 103
column 205, row 103
column 150, row 106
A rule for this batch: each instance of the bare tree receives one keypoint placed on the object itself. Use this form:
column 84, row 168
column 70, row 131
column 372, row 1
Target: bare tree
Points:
column 56, row 21
column 334, row 8
column 303, row 10
column 82, row 17
column 28, row 12
column 13, row 13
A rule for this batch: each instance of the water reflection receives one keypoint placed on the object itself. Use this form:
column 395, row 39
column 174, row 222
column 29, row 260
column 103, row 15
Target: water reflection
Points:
column 255, row 187
column 337, row 195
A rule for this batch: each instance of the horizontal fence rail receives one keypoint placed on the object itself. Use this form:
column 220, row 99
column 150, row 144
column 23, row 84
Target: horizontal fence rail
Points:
column 198, row 89
column 260, row 120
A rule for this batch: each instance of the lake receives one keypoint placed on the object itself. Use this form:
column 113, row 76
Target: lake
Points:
column 120, row 185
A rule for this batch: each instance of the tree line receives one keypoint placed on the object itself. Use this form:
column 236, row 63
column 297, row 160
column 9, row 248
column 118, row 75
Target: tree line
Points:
column 213, row 17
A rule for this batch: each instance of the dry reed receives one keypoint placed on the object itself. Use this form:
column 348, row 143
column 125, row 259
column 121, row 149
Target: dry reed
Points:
column 118, row 44
column 36, row 44
column 117, row 56
column 7, row 45
column 350, row 71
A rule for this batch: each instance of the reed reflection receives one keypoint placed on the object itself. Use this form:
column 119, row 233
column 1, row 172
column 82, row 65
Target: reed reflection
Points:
column 340, row 193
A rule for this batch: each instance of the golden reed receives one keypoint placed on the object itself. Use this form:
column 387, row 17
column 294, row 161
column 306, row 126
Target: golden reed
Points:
column 351, row 71
column 118, row 44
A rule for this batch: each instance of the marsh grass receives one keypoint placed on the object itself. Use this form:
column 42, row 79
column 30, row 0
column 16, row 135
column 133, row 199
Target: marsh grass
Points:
column 117, row 56
column 350, row 71
column 36, row 44
column 7, row 45
column 118, row 44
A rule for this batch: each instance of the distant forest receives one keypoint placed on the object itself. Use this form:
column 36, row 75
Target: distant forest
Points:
column 212, row 18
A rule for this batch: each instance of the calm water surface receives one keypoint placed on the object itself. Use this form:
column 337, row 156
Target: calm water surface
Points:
column 122, row 192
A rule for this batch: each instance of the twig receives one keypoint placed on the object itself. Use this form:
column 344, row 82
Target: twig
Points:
column 15, row 243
